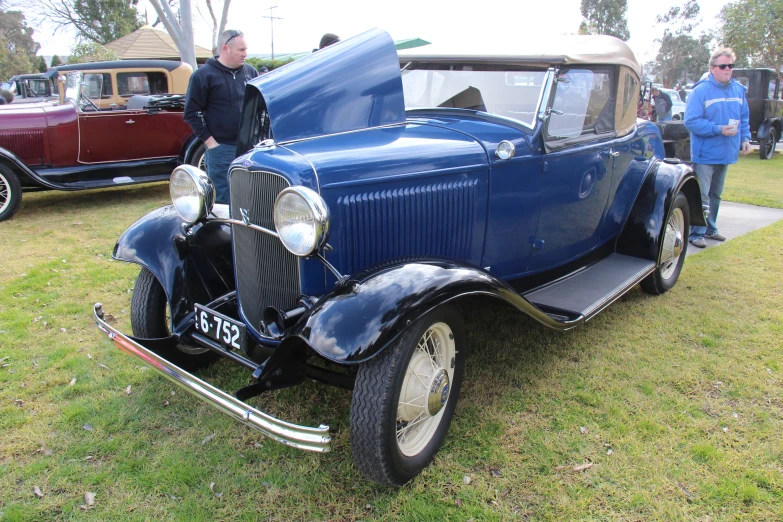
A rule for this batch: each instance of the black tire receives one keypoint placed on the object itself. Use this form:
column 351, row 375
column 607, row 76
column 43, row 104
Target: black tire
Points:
column 375, row 407
column 199, row 158
column 671, row 252
column 149, row 320
column 767, row 146
column 10, row 193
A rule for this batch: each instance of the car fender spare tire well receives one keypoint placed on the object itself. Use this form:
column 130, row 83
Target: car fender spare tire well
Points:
column 404, row 399
column 10, row 192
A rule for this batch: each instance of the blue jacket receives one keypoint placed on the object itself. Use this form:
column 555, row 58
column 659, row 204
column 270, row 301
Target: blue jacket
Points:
column 709, row 107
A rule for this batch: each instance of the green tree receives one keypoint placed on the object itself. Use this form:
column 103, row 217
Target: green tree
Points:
column 681, row 56
column 91, row 52
column 754, row 30
column 56, row 61
column 99, row 21
column 41, row 65
column 17, row 47
column 605, row 17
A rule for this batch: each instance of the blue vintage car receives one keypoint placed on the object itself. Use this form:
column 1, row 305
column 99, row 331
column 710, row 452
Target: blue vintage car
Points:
column 375, row 197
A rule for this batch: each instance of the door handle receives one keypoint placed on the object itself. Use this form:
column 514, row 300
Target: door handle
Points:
column 130, row 122
column 613, row 153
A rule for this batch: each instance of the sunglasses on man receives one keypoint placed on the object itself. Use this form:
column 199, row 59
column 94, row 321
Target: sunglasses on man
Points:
column 233, row 35
column 723, row 66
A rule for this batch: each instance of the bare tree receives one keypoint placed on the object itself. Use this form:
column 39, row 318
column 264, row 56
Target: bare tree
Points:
column 218, row 28
column 179, row 28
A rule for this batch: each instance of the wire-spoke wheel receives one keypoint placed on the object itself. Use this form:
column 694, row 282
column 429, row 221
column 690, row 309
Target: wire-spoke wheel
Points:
column 199, row 158
column 404, row 398
column 674, row 245
column 10, row 193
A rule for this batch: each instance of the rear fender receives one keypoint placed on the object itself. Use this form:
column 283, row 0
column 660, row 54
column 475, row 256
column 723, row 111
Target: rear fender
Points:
column 194, row 268
column 766, row 125
column 362, row 316
column 643, row 229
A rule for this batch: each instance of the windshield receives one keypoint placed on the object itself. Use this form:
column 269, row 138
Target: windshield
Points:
column 72, row 86
column 498, row 90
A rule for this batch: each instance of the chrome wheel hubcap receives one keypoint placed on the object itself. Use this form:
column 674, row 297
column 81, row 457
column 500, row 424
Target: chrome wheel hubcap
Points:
column 425, row 389
column 673, row 242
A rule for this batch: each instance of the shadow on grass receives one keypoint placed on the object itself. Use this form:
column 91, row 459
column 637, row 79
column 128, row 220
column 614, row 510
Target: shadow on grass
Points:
column 101, row 200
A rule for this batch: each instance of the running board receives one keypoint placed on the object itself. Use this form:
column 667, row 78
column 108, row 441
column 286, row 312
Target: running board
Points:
column 588, row 291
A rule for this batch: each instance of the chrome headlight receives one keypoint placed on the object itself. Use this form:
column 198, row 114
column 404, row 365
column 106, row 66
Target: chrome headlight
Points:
column 301, row 220
column 192, row 193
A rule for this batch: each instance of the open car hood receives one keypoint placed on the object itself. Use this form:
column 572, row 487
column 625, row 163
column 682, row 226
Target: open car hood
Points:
column 351, row 85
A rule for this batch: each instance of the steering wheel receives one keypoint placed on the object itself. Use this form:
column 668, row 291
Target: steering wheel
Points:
column 89, row 103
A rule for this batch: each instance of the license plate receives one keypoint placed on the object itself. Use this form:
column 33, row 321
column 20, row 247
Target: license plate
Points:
column 228, row 332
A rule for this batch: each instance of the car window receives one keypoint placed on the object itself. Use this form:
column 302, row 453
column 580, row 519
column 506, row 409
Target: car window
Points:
column 628, row 106
column 581, row 104
column 497, row 90
column 94, row 85
column 772, row 85
column 133, row 83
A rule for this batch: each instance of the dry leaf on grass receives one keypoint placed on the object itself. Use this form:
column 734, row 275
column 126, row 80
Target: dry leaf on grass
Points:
column 495, row 472
column 37, row 491
column 63, row 330
column 127, row 390
column 582, row 467
column 212, row 489
column 103, row 366
column 73, row 381
column 89, row 498
column 609, row 451
column 583, row 430
column 18, row 402
column 467, row 480
column 88, row 427
column 458, row 502
column 207, row 439
column 109, row 318
column 166, row 403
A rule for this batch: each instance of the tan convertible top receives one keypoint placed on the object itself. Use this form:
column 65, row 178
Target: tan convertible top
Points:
column 566, row 49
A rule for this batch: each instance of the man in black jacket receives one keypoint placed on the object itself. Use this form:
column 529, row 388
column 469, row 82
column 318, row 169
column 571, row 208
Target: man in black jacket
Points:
column 214, row 103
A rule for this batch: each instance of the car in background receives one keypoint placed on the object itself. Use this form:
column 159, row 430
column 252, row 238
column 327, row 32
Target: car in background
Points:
column 111, row 84
column 32, row 88
column 678, row 105
column 765, row 102
column 85, row 142
column 377, row 197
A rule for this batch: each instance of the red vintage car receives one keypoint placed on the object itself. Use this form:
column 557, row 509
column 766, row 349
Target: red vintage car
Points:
column 80, row 144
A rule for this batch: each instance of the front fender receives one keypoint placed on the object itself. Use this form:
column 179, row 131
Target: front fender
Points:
column 361, row 317
column 643, row 229
column 195, row 268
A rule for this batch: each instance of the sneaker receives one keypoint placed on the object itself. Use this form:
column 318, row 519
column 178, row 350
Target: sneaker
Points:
column 699, row 242
column 717, row 236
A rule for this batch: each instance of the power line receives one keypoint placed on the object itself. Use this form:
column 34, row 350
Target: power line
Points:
column 272, row 19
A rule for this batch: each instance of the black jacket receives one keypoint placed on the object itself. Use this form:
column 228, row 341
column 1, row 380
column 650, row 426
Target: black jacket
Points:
column 215, row 98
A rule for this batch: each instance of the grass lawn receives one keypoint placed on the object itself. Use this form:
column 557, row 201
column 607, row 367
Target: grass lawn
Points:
column 675, row 401
column 755, row 181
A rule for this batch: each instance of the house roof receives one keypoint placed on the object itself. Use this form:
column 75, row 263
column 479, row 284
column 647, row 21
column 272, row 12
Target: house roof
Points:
column 147, row 42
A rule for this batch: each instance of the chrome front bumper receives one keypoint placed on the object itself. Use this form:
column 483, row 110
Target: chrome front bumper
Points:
column 302, row 437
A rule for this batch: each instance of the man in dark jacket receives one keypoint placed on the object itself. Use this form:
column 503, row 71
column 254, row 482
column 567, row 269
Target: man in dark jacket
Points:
column 214, row 103
column 663, row 104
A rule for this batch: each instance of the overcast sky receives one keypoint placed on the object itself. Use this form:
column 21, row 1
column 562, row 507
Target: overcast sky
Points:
column 304, row 21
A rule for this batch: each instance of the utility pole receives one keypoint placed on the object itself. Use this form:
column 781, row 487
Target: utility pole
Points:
column 272, row 19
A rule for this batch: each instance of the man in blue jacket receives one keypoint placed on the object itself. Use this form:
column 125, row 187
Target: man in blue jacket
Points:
column 213, row 106
column 716, row 115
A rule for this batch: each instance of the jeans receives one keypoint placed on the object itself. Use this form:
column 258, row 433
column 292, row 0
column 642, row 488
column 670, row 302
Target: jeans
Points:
column 218, row 160
column 711, row 179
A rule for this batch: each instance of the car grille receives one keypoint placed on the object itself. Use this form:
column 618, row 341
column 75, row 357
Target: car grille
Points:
column 266, row 273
